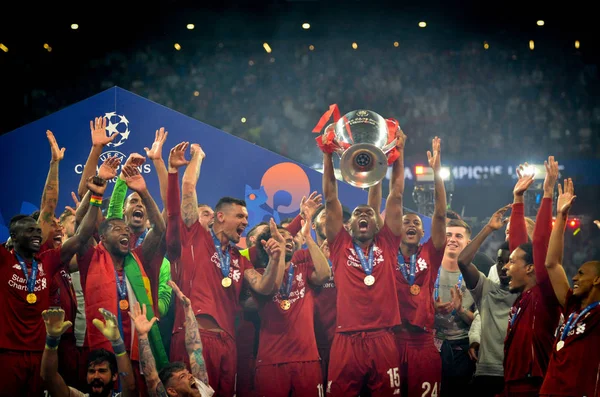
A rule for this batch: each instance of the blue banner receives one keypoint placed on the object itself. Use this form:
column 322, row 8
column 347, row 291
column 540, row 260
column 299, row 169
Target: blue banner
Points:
column 271, row 184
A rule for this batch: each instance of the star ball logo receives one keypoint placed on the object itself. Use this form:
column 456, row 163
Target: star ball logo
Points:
column 121, row 127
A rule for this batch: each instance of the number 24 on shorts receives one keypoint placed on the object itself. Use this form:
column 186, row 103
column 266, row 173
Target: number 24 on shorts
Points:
column 428, row 390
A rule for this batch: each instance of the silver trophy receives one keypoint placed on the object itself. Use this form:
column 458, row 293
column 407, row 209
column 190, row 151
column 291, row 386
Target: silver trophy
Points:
column 362, row 140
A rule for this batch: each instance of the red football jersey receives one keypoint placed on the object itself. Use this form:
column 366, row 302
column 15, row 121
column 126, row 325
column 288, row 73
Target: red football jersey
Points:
column 287, row 336
column 574, row 370
column 325, row 313
column 361, row 307
column 63, row 295
column 201, row 270
column 21, row 324
column 419, row 310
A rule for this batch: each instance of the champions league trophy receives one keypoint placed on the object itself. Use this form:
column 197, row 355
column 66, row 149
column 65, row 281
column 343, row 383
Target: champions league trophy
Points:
column 365, row 142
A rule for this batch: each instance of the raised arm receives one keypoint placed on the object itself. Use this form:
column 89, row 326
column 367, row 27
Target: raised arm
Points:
column 468, row 269
column 119, row 195
column 99, row 140
column 189, row 200
column 518, row 229
column 374, row 201
column 334, row 216
column 270, row 280
column 438, row 221
column 322, row 271
column 193, row 343
column 50, row 194
column 554, row 259
column 543, row 229
column 155, row 154
column 54, row 319
column 394, row 202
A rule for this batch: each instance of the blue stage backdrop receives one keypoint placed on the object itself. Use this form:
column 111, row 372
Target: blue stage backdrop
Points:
column 271, row 184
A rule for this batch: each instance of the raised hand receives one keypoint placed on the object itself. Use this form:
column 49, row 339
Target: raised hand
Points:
column 276, row 244
column 177, row 156
column 98, row 129
column 141, row 322
column 551, row 175
column 54, row 319
column 184, row 299
column 57, row 154
column 109, row 327
column 400, row 138
column 457, row 298
column 525, row 180
column 566, row 197
column 196, row 150
column 497, row 220
column 434, row 156
column 135, row 160
column 134, row 180
column 308, row 206
column 108, row 169
column 155, row 152
column 76, row 201
column 96, row 185
column 443, row 307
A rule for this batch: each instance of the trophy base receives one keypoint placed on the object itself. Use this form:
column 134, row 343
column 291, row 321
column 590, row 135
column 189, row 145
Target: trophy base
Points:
column 363, row 165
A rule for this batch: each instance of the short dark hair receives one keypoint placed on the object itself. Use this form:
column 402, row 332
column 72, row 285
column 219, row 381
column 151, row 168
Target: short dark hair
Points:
column 100, row 356
column 459, row 223
column 16, row 219
column 286, row 220
column 596, row 265
column 452, row 215
column 266, row 235
column 252, row 231
column 317, row 213
column 36, row 215
column 106, row 223
column 167, row 372
column 65, row 215
column 223, row 201
column 528, row 248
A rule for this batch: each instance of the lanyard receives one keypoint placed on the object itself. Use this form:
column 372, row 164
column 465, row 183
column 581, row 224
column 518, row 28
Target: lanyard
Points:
column 409, row 277
column 286, row 288
column 225, row 262
column 34, row 271
column 121, row 285
column 436, row 292
column 366, row 265
column 573, row 320
column 514, row 317
column 140, row 239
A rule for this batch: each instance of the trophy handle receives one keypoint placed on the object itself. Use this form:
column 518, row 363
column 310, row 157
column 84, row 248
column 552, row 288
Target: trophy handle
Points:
column 389, row 146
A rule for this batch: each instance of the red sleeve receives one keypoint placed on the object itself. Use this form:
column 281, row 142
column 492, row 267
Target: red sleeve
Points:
column 173, row 218
column 390, row 238
column 518, row 229
column 541, row 239
column 50, row 259
column 295, row 225
column 435, row 256
column 253, row 254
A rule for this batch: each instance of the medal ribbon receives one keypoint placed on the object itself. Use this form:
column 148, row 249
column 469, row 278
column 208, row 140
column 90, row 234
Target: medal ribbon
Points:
column 140, row 239
column 286, row 288
column 121, row 285
column 514, row 317
column 436, row 291
column 410, row 277
column 366, row 265
column 34, row 272
column 225, row 262
column 571, row 323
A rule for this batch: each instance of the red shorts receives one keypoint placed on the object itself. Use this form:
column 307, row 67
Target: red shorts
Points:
column 21, row 373
column 245, row 377
column 523, row 388
column 420, row 364
column 220, row 356
column 289, row 379
column 368, row 358
column 178, row 351
column 324, row 354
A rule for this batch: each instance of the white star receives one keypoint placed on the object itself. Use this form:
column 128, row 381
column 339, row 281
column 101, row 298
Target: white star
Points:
column 125, row 134
column 112, row 128
column 109, row 115
column 124, row 120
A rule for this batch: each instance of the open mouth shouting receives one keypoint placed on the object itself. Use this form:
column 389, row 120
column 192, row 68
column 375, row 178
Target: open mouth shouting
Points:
column 411, row 233
column 363, row 225
column 138, row 215
column 124, row 242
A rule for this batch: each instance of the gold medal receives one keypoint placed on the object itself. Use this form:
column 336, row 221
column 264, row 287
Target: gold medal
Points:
column 226, row 282
column 415, row 290
column 369, row 280
column 285, row 304
column 31, row 298
column 123, row 304
column 560, row 345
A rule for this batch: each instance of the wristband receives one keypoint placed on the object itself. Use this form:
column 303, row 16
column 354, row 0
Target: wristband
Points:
column 52, row 342
column 96, row 200
column 118, row 347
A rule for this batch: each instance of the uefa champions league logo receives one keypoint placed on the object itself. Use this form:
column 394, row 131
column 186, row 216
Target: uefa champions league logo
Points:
column 120, row 126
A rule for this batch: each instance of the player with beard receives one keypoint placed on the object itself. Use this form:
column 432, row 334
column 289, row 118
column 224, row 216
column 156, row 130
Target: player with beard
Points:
column 363, row 260
column 210, row 261
column 494, row 302
column 415, row 274
column 288, row 360
column 574, row 368
column 536, row 311
column 103, row 367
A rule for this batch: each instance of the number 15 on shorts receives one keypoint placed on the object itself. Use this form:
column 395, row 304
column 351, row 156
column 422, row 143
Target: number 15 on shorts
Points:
column 394, row 374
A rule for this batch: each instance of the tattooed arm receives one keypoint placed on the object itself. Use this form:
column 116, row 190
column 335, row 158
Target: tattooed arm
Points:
column 50, row 194
column 189, row 201
column 193, row 343
column 270, row 280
